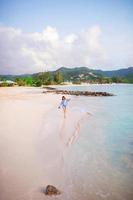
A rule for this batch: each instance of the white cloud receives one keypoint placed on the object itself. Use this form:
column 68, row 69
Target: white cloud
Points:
column 33, row 52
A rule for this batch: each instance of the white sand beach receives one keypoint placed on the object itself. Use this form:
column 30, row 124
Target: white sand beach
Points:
column 34, row 142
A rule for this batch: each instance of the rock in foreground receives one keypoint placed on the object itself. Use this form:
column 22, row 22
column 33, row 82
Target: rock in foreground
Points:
column 51, row 190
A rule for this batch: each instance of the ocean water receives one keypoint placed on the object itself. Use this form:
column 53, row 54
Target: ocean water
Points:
column 100, row 161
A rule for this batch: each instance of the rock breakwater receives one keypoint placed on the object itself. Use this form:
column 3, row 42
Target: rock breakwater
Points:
column 77, row 93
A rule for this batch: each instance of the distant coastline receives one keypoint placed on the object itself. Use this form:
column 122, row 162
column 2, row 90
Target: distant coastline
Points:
column 69, row 76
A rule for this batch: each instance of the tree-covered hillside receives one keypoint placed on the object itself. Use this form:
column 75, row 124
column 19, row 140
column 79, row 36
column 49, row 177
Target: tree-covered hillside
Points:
column 75, row 75
column 84, row 74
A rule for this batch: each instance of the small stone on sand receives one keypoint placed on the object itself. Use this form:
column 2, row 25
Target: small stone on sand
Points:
column 51, row 190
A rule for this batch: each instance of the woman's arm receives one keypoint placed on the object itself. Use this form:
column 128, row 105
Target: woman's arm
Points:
column 60, row 104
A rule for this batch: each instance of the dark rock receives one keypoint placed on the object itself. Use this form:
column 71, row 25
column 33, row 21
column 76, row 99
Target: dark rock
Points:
column 77, row 93
column 49, row 88
column 51, row 190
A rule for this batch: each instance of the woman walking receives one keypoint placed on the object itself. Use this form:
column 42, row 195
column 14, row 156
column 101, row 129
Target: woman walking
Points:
column 63, row 104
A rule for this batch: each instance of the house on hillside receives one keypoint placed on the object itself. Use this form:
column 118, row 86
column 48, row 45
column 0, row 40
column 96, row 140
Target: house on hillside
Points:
column 7, row 83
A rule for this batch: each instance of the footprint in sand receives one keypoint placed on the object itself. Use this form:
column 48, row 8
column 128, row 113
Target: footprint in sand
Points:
column 76, row 133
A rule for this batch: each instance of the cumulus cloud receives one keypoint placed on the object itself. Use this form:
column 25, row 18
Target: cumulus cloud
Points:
column 22, row 52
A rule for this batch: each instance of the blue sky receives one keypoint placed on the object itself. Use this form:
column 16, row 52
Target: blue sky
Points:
column 113, row 17
column 67, row 16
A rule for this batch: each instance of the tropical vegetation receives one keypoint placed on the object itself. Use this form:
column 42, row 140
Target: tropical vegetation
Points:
column 75, row 75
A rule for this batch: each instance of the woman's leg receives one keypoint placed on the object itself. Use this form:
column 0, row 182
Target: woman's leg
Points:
column 64, row 109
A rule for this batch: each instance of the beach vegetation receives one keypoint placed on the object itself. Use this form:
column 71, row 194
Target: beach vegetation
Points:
column 76, row 82
column 20, row 81
column 28, row 81
column 58, row 78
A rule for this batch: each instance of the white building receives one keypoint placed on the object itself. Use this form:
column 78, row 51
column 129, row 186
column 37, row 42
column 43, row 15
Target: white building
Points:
column 8, row 83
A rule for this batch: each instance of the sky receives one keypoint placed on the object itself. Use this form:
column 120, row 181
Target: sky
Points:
column 41, row 35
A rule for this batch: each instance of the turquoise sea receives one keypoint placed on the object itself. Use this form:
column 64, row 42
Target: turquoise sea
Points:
column 101, row 160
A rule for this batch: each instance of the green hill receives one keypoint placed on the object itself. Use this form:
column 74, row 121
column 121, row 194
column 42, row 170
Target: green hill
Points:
column 75, row 75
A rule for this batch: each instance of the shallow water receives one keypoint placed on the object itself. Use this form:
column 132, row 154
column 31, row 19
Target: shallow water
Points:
column 102, row 159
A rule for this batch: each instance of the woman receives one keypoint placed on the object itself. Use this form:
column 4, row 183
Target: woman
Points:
column 63, row 104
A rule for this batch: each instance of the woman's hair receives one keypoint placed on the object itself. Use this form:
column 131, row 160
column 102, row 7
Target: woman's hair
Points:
column 63, row 97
